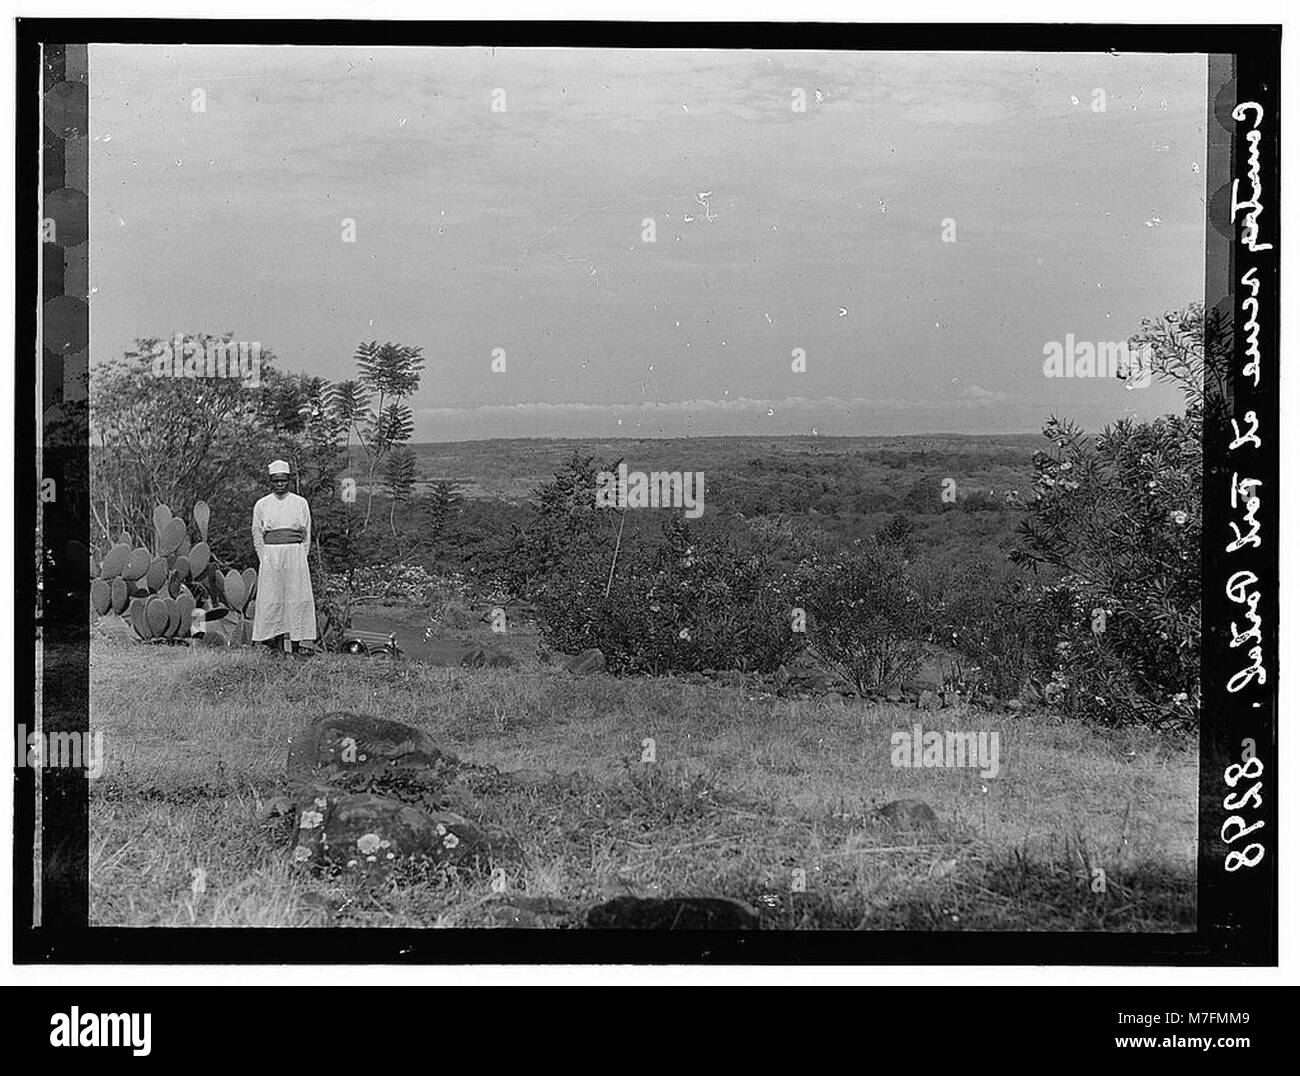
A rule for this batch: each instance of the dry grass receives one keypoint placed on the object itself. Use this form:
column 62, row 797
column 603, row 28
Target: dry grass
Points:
column 746, row 791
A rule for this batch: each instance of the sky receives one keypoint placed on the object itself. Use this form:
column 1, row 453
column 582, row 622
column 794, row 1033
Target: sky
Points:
column 777, row 232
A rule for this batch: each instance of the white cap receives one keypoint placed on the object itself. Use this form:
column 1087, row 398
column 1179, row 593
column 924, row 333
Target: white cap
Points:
column 277, row 467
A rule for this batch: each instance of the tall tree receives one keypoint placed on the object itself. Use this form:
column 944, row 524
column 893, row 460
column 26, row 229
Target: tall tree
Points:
column 399, row 479
column 390, row 374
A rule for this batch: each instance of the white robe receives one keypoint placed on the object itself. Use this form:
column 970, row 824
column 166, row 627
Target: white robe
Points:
column 285, row 604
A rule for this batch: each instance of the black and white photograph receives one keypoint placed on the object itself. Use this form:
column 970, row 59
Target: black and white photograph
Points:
column 633, row 493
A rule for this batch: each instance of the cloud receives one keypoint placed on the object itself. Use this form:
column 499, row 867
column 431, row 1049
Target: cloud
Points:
column 979, row 394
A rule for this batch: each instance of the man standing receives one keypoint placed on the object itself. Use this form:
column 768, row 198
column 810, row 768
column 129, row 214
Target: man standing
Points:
column 282, row 535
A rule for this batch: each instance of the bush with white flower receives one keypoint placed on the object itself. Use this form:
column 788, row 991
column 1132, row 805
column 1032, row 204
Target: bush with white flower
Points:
column 1123, row 534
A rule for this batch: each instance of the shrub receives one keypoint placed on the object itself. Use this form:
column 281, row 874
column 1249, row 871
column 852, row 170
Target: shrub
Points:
column 865, row 614
column 1119, row 516
column 675, row 602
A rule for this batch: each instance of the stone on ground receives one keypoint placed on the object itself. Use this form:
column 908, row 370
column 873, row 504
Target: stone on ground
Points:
column 672, row 913
column 480, row 657
column 371, row 794
column 908, row 815
column 361, row 752
column 370, row 835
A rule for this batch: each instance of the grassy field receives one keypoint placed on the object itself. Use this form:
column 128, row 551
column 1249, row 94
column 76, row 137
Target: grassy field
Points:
column 746, row 790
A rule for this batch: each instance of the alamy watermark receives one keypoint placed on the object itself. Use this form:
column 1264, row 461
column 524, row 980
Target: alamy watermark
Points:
column 195, row 358
column 657, row 489
column 949, row 750
column 61, row 750
column 112, row 1029
column 1103, row 359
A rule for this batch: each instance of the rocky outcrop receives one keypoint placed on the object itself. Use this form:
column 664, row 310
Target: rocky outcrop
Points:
column 371, row 835
column 360, row 752
column 371, row 794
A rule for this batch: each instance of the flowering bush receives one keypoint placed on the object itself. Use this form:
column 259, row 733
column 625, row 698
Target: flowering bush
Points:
column 1007, row 626
column 1119, row 515
column 393, row 582
column 865, row 614
column 675, row 602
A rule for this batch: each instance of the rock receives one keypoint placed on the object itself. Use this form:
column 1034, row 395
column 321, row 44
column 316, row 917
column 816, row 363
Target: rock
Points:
column 1015, row 705
column 478, row 657
column 908, row 815
column 928, row 700
column 371, row 835
column 357, row 752
column 672, row 913
column 589, row 661
column 893, row 694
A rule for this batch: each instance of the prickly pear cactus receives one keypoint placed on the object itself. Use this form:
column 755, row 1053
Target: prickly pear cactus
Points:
column 175, row 591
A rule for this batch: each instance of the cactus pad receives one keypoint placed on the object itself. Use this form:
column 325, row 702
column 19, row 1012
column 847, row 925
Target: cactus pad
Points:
column 101, row 597
column 137, row 617
column 173, row 618
column 235, row 590
column 156, row 576
column 115, row 561
column 185, row 610
column 201, row 515
column 137, row 564
column 172, row 536
column 162, row 515
column 155, row 616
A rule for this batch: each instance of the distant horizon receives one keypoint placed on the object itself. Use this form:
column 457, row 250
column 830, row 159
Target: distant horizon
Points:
column 737, row 437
